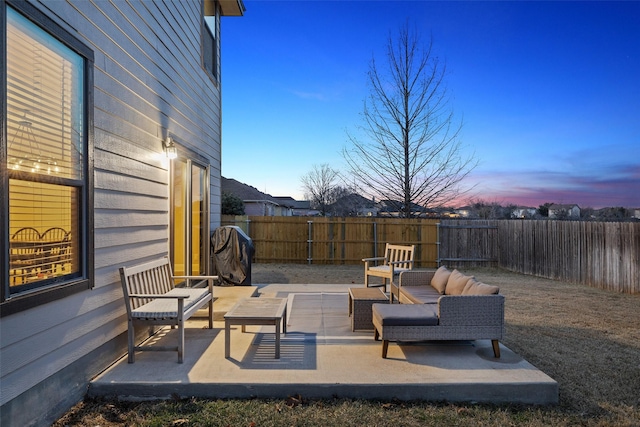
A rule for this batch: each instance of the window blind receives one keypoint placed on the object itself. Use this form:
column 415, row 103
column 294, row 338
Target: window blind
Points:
column 44, row 108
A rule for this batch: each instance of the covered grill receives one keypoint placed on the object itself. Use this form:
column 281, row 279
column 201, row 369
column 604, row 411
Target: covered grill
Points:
column 232, row 251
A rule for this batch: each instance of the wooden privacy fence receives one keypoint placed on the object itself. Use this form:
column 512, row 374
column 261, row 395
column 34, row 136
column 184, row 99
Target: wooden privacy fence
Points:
column 605, row 255
column 468, row 243
column 326, row 240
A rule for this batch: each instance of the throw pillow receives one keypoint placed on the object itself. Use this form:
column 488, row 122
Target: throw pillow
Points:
column 473, row 287
column 456, row 283
column 440, row 278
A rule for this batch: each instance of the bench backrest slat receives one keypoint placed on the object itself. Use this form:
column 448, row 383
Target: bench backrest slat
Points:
column 151, row 278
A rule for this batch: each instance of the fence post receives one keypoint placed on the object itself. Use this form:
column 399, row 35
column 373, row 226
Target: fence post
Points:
column 437, row 244
column 375, row 239
column 309, row 242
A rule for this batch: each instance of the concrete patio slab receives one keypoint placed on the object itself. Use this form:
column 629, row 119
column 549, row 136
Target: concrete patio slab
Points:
column 320, row 357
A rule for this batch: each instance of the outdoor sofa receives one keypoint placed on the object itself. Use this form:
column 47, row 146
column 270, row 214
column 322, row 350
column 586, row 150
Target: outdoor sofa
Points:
column 440, row 305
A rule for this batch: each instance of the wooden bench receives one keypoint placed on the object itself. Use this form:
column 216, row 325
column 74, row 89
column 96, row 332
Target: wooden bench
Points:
column 396, row 259
column 151, row 298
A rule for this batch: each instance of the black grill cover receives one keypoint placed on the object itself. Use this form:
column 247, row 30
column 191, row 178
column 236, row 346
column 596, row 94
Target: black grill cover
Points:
column 232, row 252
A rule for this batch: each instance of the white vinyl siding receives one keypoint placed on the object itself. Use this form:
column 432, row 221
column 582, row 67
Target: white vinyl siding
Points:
column 148, row 82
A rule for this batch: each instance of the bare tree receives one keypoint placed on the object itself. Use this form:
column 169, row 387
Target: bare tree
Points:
column 347, row 202
column 409, row 150
column 337, row 194
column 318, row 186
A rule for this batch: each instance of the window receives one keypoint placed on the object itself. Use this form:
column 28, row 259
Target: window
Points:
column 45, row 154
column 210, row 45
column 190, row 217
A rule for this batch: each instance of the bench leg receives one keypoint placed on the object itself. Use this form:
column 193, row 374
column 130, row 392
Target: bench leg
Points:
column 385, row 347
column 376, row 335
column 496, row 348
column 131, row 357
column 181, row 341
column 180, row 330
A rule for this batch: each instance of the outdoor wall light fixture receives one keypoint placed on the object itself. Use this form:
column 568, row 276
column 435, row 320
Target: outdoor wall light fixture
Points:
column 170, row 148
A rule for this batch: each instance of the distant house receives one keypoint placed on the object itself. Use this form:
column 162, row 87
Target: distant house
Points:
column 353, row 205
column 298, row 207
column 523, row 212
column 466, row 212
column 395, row 208
column 557, row 211
column 617, row 214
column 110, row 146
column 443, row 212
column 255, row 201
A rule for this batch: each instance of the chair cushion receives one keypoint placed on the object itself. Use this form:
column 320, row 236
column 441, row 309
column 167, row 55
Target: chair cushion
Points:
column 405, row 314
column 440, row 278
column 456, row 283
column 473, row 287
column 420, row 294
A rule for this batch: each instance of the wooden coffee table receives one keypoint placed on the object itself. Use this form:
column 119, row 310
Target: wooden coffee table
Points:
column 256, row 311
column 360, row 302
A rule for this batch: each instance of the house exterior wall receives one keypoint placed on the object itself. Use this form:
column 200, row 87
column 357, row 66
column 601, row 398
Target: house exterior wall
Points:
column 284, row 211
column 574, row 212
column 148, row 82
column 258, row 208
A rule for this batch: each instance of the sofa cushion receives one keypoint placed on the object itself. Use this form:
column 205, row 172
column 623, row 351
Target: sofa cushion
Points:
column 439, row 279
column 473, row 287
column 456, row 283
column 405, row 314
column 420, row 294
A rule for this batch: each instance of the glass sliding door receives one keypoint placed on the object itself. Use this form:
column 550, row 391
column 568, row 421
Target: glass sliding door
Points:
column 189, row 217
column 199, row 234
column 179, row 183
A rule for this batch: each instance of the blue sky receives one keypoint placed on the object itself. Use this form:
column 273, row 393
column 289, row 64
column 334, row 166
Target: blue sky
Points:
column 549, row 92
